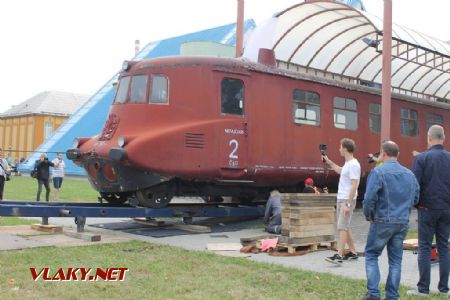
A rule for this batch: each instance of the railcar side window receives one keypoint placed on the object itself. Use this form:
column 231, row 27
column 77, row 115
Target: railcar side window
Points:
column 375, row 117
column 159, row 91
column 306, row 107
column 408, row 122
column 232, row 96
column 138, row 91
column 345, row 114
column 434, row 119
column 121, row 95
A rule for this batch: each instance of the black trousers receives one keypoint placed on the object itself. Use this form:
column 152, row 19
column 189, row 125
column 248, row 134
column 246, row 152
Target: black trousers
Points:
column 44, row 182
column 2, row 186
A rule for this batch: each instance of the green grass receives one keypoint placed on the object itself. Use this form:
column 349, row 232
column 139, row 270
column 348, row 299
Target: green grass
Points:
column 164, row 272
column 412, row 234
column 8, row 221
column 73, row 190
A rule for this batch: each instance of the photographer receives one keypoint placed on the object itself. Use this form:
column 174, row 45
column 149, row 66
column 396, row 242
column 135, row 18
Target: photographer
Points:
column 42, row 167
column 375, row 158
column 349, row 178
column 4, row 170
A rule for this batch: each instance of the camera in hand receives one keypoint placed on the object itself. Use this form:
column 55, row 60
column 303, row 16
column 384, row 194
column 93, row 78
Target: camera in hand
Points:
column 370, row 159
column 323, row 150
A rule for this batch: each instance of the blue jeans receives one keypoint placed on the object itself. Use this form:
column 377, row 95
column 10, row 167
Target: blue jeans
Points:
column 392, row 236
column 433, row 222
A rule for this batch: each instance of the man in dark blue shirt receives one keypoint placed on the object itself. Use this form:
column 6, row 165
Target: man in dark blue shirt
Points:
column 432, row 169
column 391, row 192
column 272, row 215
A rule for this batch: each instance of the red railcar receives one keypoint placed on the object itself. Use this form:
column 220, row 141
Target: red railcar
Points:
column 215, row 126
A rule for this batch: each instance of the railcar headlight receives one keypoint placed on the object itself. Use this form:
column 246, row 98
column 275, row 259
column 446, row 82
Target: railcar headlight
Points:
column 121, row 141
column 76, row 143
column 125, row 65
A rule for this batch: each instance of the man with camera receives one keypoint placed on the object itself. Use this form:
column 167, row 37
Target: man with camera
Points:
column 349, row 178
column 42, row 167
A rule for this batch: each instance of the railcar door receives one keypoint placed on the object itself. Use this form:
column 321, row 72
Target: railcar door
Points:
column 233, row 129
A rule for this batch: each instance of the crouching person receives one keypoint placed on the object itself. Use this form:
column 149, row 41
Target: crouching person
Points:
column 272, row 216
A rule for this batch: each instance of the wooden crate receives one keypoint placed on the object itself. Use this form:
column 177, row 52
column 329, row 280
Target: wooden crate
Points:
column 308, row 217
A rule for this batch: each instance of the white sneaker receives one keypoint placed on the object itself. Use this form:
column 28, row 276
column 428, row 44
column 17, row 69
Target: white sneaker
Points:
column 416, row 293
column 444, row 295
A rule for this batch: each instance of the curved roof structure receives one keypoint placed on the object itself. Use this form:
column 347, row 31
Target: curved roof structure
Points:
column 48, row 103
column 338, row 40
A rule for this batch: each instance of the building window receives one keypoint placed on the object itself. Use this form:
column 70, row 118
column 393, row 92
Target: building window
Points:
column 408, row 122
column 232, row 96
column 434, row 119
column 306, row 107
column 138, row 90
column 159, row 90
column 345, row 115
column 48, row 129
column 121, row 95
column 375, row 117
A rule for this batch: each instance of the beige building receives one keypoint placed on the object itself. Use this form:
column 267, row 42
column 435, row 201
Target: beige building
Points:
column 27, row 125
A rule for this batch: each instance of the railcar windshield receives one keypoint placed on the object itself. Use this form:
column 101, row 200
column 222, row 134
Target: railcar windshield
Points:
column 138, row 90
column 158, row 91
column 121, row 95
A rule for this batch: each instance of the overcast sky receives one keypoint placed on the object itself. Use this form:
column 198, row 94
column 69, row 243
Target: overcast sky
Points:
column 76, row 46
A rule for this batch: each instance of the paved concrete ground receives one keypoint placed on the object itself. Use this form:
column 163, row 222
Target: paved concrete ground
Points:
column 313, row 261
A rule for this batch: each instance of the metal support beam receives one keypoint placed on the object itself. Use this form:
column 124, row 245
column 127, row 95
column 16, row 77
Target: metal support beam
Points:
column 386, row 82
column 240, row 28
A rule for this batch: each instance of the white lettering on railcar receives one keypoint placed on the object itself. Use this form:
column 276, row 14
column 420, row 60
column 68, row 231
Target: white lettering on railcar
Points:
column 234, row 131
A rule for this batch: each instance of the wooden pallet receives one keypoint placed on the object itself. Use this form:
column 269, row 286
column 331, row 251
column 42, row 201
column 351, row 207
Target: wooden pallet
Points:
column 47, row 228
column 293, row 248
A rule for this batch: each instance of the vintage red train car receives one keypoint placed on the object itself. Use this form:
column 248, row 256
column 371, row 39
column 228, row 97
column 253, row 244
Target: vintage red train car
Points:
column 203, row 126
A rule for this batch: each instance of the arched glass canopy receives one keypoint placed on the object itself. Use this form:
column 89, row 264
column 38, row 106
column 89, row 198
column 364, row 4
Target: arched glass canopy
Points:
column 336, row 39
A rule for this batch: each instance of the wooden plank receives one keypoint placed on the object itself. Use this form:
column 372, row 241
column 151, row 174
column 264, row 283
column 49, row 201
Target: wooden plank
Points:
column 307, row 228
column 411, row 244
column 309, row 210
column 311, row 233
column 87, row 236
column 311, row 221
column 223, row 246
column 308, row 216
column 193, row 228
column 307, row 240
column 315, row 204
column 150, row 222
column 47, row 228
column 312, row 215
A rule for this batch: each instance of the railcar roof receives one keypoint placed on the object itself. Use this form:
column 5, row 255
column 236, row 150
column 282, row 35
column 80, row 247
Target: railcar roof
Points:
column 338, row 39
column 246, row 65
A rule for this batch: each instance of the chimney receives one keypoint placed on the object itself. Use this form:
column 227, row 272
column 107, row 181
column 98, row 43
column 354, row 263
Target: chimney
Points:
column 267, row 57
column 136, row 47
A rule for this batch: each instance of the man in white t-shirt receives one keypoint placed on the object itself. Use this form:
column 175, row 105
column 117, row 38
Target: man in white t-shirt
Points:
column 58, row 174
column 346, row 199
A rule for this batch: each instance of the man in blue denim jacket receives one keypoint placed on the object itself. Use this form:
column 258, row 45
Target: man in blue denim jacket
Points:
column 391, row 192
column 432, row 169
